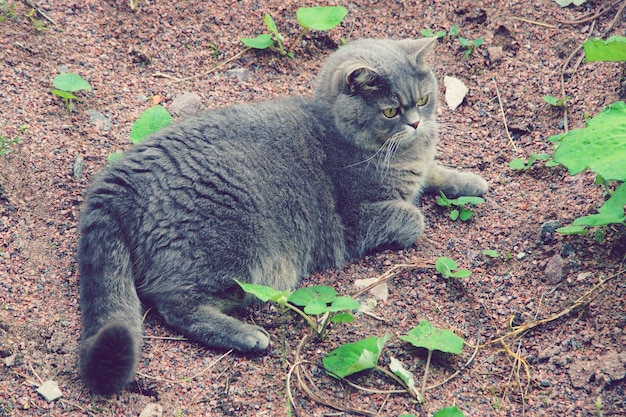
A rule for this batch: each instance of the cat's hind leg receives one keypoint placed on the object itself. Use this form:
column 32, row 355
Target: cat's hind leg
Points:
column 205, row 319
column 454, row 183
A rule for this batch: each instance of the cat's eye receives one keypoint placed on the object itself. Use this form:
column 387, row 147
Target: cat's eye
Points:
column 422, row 101
column 390, row 112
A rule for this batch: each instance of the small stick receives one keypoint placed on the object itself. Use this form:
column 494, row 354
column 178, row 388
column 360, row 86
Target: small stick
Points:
column 506, row 126
column 32, row 4
column 589, row 18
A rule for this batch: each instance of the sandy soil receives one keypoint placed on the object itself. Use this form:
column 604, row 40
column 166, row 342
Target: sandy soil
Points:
column 573, row 365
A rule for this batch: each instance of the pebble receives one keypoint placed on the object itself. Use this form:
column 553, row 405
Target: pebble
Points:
column 186, row 104
column 152, row 410
column 456, row 91
column 50, row 391
column 78, row 167
column 554, row 271
column 99, row 120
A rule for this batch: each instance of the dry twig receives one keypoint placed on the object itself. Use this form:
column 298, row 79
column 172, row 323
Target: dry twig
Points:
column 506, row 126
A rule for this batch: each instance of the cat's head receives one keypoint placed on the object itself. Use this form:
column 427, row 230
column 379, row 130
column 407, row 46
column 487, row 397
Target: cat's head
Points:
column 381, row 92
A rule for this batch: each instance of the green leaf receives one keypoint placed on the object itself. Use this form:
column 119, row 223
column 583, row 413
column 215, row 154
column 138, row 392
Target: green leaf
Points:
column 454, row 214
column 454, row 30
column 611, row 212
column 68, row 81
column 465, row 42
column 601, row 146
column 478, row 42
column 63, row 94
column 263, row 41
column 517, row 163
column 449, row 412
column 461, row 273
column 316, row 307
column 465, row 214
column 321, row 18
column 463, row 200
column 404, row 374
column 114, row 157
column 613, row 49
column 572, row 230
column 315, row 293
column 344, row 303
column 354, row 357
column 442, row 200
column 264, row 293
column 427, row 32
column 491, row 253
column 271, row 26
column 432, row 338
column 445, row 266
column 150, row 121
column 551, row 100
column 342, row 318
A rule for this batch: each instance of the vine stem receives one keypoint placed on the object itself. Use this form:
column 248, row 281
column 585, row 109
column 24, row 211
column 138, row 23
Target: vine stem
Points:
column 295, row 41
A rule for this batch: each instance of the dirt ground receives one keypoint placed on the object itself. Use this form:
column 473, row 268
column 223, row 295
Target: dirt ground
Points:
column 568, row 291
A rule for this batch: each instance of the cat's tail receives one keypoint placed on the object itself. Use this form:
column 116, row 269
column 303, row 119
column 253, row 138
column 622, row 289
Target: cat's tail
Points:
column 110, row 307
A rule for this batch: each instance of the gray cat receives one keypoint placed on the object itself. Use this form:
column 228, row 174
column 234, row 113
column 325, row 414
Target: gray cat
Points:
column 264, row 193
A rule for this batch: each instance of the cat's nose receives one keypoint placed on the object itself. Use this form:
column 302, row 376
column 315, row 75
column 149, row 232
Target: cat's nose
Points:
column 415, row 125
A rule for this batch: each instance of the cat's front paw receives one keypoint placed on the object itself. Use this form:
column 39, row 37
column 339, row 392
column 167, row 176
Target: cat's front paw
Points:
column 467, row 183
column 253, row 339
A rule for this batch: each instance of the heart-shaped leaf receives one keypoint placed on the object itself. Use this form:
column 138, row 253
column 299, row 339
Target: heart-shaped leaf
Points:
column 150, row 121
column 68, row 81
column 601, row 146
column 354, row 357
column 321, row 18
column 424, row 335
column 263, row 41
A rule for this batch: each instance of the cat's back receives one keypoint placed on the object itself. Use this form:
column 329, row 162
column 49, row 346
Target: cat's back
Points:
column 243, row 179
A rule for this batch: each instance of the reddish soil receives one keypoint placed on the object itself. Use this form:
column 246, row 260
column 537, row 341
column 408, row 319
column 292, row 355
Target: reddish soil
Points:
column 572, row 363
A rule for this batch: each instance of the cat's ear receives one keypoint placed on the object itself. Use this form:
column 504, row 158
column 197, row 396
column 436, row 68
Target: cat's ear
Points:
column 362, row 79
column 418, row 49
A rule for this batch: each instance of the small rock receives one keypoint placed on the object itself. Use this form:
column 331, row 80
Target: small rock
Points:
column 239, row 73
column 547, row 230
column 612, row 367
column 10, row 360
column 521, row 255
column 152, row 410
column 186, row 104
column 78, row 167
column 456, row 91
column 545, row 383
column 495, row 53
column 555, row 269
column 50, row 391
column 99, row 120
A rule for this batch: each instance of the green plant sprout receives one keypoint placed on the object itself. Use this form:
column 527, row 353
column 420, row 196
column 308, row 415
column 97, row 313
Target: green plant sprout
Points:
column 490, row 253
column 429, row 33
column 7, row 10
column 424, row 335
column 355, row 357
column 151, row 121
column 320, row 18
column 448, row 268
column 5, row 143
column 40, row 25
column 470, row 45
column 442, row 412
column 67, row 83
column 320, row 301
column 556, row 102
column 521, row 163
column 458, row 207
